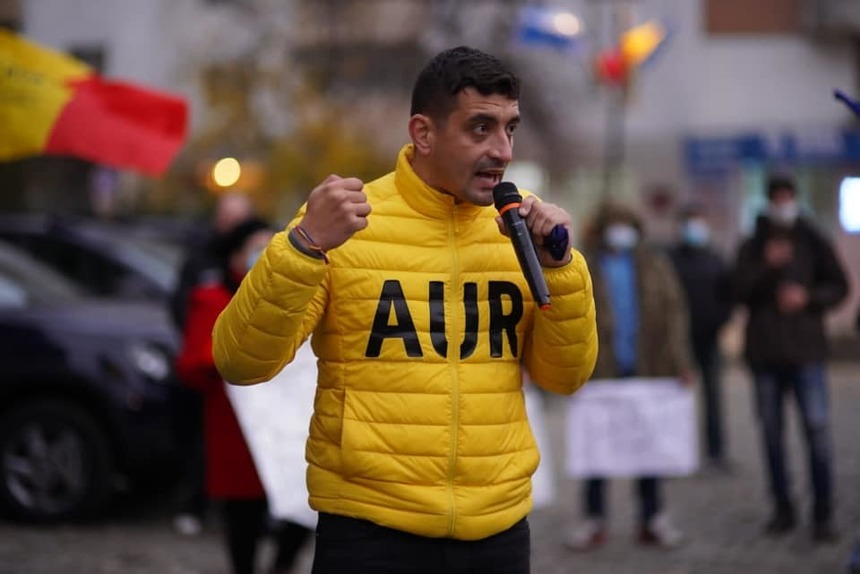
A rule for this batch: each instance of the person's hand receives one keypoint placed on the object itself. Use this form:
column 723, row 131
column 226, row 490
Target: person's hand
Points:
column 791, row 298
column 541, row 218
column 336, row 209
column 778, row 252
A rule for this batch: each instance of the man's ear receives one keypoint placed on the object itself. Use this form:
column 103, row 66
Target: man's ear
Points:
column 421, row 132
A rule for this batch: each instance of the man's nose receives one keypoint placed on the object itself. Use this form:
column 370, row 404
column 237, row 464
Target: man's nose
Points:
column 503, row 148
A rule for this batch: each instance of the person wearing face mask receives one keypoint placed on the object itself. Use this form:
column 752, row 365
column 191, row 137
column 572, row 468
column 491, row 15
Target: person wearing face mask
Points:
column 643, row 331
column 202, row 264
column 706, row 279
column 788, row 276
column 231, row 475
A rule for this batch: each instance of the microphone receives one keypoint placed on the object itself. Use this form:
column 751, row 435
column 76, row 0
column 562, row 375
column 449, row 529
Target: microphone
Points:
column 507, row 200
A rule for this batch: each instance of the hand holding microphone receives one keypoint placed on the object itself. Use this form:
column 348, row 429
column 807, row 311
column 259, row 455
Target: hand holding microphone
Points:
column 539, row 233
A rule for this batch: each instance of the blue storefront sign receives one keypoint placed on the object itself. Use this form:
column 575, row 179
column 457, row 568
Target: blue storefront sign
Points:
column 714, row 156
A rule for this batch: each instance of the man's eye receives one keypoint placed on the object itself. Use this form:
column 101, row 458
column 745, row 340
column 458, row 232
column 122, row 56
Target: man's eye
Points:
column 481, row 129
column 512, row 128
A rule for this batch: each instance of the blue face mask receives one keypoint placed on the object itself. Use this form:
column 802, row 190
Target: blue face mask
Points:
column 696, row 233
column 252, row 258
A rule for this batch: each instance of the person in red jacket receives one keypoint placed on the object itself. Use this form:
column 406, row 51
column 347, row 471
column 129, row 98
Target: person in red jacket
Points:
column 231, row 475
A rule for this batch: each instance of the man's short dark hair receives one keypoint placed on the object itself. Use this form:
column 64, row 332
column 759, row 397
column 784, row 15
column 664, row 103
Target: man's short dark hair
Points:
column 452, row 71
column 779, row 182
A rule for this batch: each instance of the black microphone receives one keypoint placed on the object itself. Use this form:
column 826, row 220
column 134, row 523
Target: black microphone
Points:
column 507, row 200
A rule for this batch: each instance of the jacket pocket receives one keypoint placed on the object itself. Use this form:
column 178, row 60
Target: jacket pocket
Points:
column 353, row 439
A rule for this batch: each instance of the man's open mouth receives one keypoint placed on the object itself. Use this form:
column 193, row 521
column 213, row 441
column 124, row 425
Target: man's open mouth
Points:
column 489, row 178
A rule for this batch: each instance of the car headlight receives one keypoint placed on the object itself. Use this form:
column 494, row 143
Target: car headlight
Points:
column 150, row 360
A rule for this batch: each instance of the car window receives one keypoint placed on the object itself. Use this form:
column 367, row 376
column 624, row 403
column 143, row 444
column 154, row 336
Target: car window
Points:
column 157, row 260
column 106, row 260
column 41, row 283
column 111, row 269
column 12, row 294
column 84, row 265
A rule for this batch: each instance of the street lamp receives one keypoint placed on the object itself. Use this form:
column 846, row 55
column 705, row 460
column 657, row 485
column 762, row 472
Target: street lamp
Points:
column 226, row 172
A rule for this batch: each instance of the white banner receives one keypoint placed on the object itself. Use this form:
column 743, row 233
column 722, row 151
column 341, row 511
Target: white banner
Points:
column 275, row 417
column 631, row 428
column 543, row 480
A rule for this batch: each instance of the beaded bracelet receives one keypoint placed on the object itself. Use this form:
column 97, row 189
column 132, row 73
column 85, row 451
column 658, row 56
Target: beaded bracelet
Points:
column 310, row 243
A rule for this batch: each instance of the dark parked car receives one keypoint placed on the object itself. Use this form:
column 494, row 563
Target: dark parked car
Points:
column 86, row 393
column 114, row 259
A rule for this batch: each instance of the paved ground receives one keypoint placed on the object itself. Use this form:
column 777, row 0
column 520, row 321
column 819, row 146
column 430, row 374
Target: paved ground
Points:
column 722, row 517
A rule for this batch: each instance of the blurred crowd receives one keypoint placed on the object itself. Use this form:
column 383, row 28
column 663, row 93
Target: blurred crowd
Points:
column 661, row 310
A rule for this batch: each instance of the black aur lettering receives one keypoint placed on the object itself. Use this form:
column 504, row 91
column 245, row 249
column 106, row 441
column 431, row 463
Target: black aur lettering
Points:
column 437, row 318
column 500, row 322
column 470, row 304
column 404, row 328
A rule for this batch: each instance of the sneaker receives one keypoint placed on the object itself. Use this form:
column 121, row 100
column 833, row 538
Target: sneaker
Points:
column 660, row 532
column 589, row 535
column 187, row 525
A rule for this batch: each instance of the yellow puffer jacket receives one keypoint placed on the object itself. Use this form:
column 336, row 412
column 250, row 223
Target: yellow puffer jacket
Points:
column 420, row 322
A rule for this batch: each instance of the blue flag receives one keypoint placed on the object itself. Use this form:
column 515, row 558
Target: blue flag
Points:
column 539, row 26
column 852, row 104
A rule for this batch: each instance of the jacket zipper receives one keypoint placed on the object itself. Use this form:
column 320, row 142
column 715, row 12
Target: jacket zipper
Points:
column 453, row 363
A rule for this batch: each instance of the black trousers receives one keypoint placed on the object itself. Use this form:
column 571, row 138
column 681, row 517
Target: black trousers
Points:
column 361, row 547
column 246, row 522
column 244, row 525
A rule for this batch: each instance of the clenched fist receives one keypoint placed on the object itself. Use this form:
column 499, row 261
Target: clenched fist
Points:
column 336, row 209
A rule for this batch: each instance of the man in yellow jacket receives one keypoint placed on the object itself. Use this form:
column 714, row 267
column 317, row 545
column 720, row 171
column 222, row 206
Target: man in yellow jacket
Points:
column 420, row 453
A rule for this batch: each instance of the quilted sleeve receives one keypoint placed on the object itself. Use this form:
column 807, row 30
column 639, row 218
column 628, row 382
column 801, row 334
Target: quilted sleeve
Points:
column 562, row 350
column 274, row 311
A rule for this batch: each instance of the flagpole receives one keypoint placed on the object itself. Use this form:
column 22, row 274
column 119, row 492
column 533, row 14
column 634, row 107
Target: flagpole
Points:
column 615, row 139
column 615, row 136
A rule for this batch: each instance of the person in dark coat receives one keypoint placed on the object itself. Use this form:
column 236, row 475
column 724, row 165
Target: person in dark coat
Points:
column 706, row 279
column 231, row 473
column 204, row 257
column 788, row 276
column 202, row 264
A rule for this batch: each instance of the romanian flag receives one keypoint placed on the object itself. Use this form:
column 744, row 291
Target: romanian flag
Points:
column 635, row 49
column 53, row 104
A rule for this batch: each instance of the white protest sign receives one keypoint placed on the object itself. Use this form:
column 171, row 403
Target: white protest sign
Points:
column 631, row 427
column 543, row 480
column 275, row 417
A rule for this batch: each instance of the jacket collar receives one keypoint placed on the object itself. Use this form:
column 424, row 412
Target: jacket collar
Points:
column 424, row 199
column 764, row 228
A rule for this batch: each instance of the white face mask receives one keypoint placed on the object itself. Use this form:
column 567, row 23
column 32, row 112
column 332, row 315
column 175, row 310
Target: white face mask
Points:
column 621, row 236
column 696, row 233
column 784, row 213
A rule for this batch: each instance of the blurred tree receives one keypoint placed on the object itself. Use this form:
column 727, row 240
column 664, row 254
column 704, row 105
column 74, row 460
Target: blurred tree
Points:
column 307, row 88
column 324, row 142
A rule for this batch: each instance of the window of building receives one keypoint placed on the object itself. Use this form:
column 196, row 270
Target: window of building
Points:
column 753, row 17
column 91, row 55
column 849, row 204
column 10, row 15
